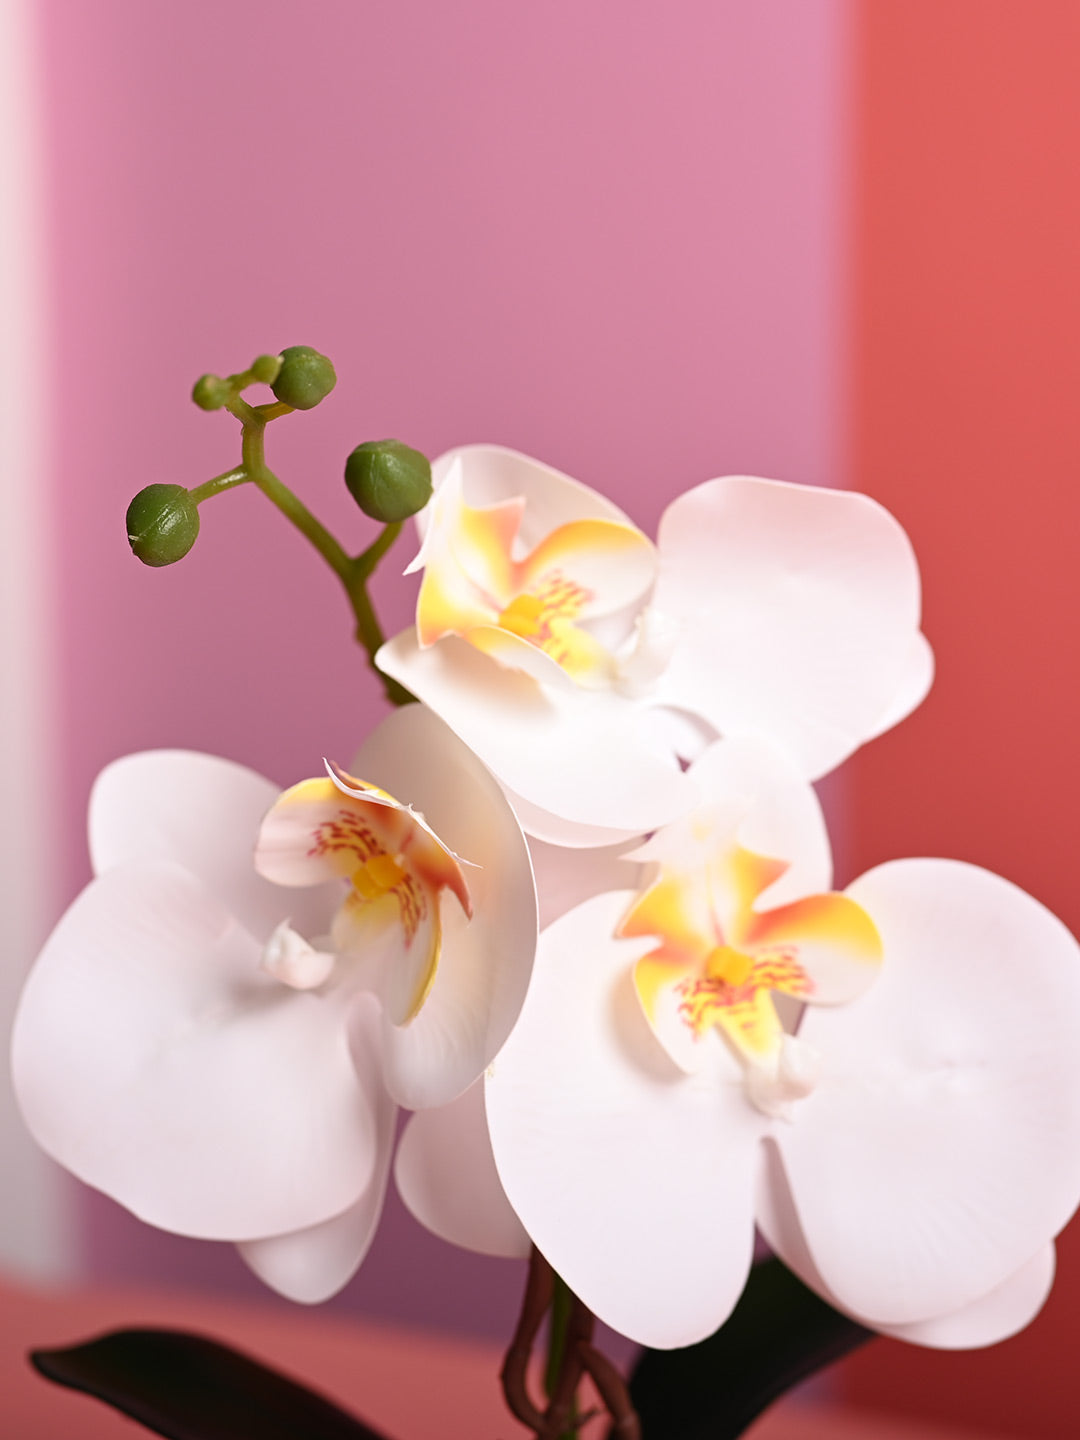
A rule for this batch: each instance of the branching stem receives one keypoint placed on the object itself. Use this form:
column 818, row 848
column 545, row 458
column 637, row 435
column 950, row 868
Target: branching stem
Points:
column 354, row 571
column 571, row 1355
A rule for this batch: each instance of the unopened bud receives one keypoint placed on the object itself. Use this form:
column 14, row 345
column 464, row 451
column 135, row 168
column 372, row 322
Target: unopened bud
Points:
column 210, row 392
column 388, row 480
column 305, row 377
column 162, row 524
column 264, row 368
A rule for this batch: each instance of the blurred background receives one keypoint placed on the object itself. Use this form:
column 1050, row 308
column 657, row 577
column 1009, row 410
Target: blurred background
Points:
column 824, row 240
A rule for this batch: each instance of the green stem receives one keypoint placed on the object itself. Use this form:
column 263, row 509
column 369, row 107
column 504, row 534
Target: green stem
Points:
column 273, row 409
column 369, row 632
column 562, row 1306
column 292, row 508
column 367, row 560
column 228, row 481
column 557, row 1326
column 353, row 572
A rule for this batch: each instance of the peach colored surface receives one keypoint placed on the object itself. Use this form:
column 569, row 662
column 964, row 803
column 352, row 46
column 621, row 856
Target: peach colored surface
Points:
column 413, row 1385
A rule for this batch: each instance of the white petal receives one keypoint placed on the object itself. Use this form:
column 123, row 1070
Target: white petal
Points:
column 566, row 878
column 941, row 1149
column 511, row 652
column 542, row 825
column 773, row 812
column 915, row 683
column 155, row 1059
column 635, row 1181
column 379, row 957
column 311, row 1265
column 584, row 755
column 670, row 734
column 1003, row 1311
column 491, row 474
column 993, row 1317
column 203, row 813
column 446, row 1175
column 799, row 607
column 485, row 963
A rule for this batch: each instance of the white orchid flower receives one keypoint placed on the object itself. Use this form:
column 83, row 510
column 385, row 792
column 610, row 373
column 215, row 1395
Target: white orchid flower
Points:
column 220, row 1029
column 910, row 1149
column 570, row 652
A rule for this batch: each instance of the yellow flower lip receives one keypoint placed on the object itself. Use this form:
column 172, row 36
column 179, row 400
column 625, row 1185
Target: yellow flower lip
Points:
column 523, row 616
column 406, row 839
column 396, row 867
column 377, row 876
column 479, row 585
column 718, row 960
column 729, row 965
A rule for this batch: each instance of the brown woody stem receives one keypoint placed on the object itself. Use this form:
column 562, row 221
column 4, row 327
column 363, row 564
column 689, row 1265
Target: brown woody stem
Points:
column 572, row 1356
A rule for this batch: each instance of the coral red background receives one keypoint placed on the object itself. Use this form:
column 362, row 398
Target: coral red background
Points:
column 966, row 424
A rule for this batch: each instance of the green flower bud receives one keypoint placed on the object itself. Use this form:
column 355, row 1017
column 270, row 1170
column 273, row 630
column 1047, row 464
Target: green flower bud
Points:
column 305, row 377
column 264, row 368
column 387, row 480
column 162, row 524
column 210, row 392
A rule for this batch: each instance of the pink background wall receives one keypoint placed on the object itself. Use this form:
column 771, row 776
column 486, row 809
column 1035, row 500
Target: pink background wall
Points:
column 609, row 234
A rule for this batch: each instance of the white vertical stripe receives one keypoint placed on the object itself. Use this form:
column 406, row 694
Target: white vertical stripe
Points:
column 36, row 1236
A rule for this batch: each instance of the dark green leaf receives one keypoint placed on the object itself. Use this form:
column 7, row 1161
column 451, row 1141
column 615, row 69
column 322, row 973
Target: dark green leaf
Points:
column 190, row 1388
column 780, row 1333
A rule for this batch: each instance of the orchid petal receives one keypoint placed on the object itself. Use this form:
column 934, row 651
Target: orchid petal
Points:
column 202, row 813
column 612, row 561
column 993, row 1317
column 709, row 891
column 516, row 604
column 949, row 1105
column 837, row 945
column 565, row 877
column 399, row 964
column 436, row 860
column 985, row 1321
column 553, row 830
column 491, row 475
column 513, row 653
column 446, row 1175
column 769, row 810
column 329, row 827
column 781, row 815
column 914, row 686
column 485, row 962
column 582, row 569
column 311, row 1265
column 799, row 607
column 568, row 751
column 158, row 1062
column 594, row 1132
column 466, row 559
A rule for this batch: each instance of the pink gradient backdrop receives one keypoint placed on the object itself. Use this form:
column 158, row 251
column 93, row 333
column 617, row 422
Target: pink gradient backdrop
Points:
column 609, row 234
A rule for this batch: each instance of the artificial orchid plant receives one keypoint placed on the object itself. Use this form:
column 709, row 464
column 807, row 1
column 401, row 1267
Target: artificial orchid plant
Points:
column 571, row 904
